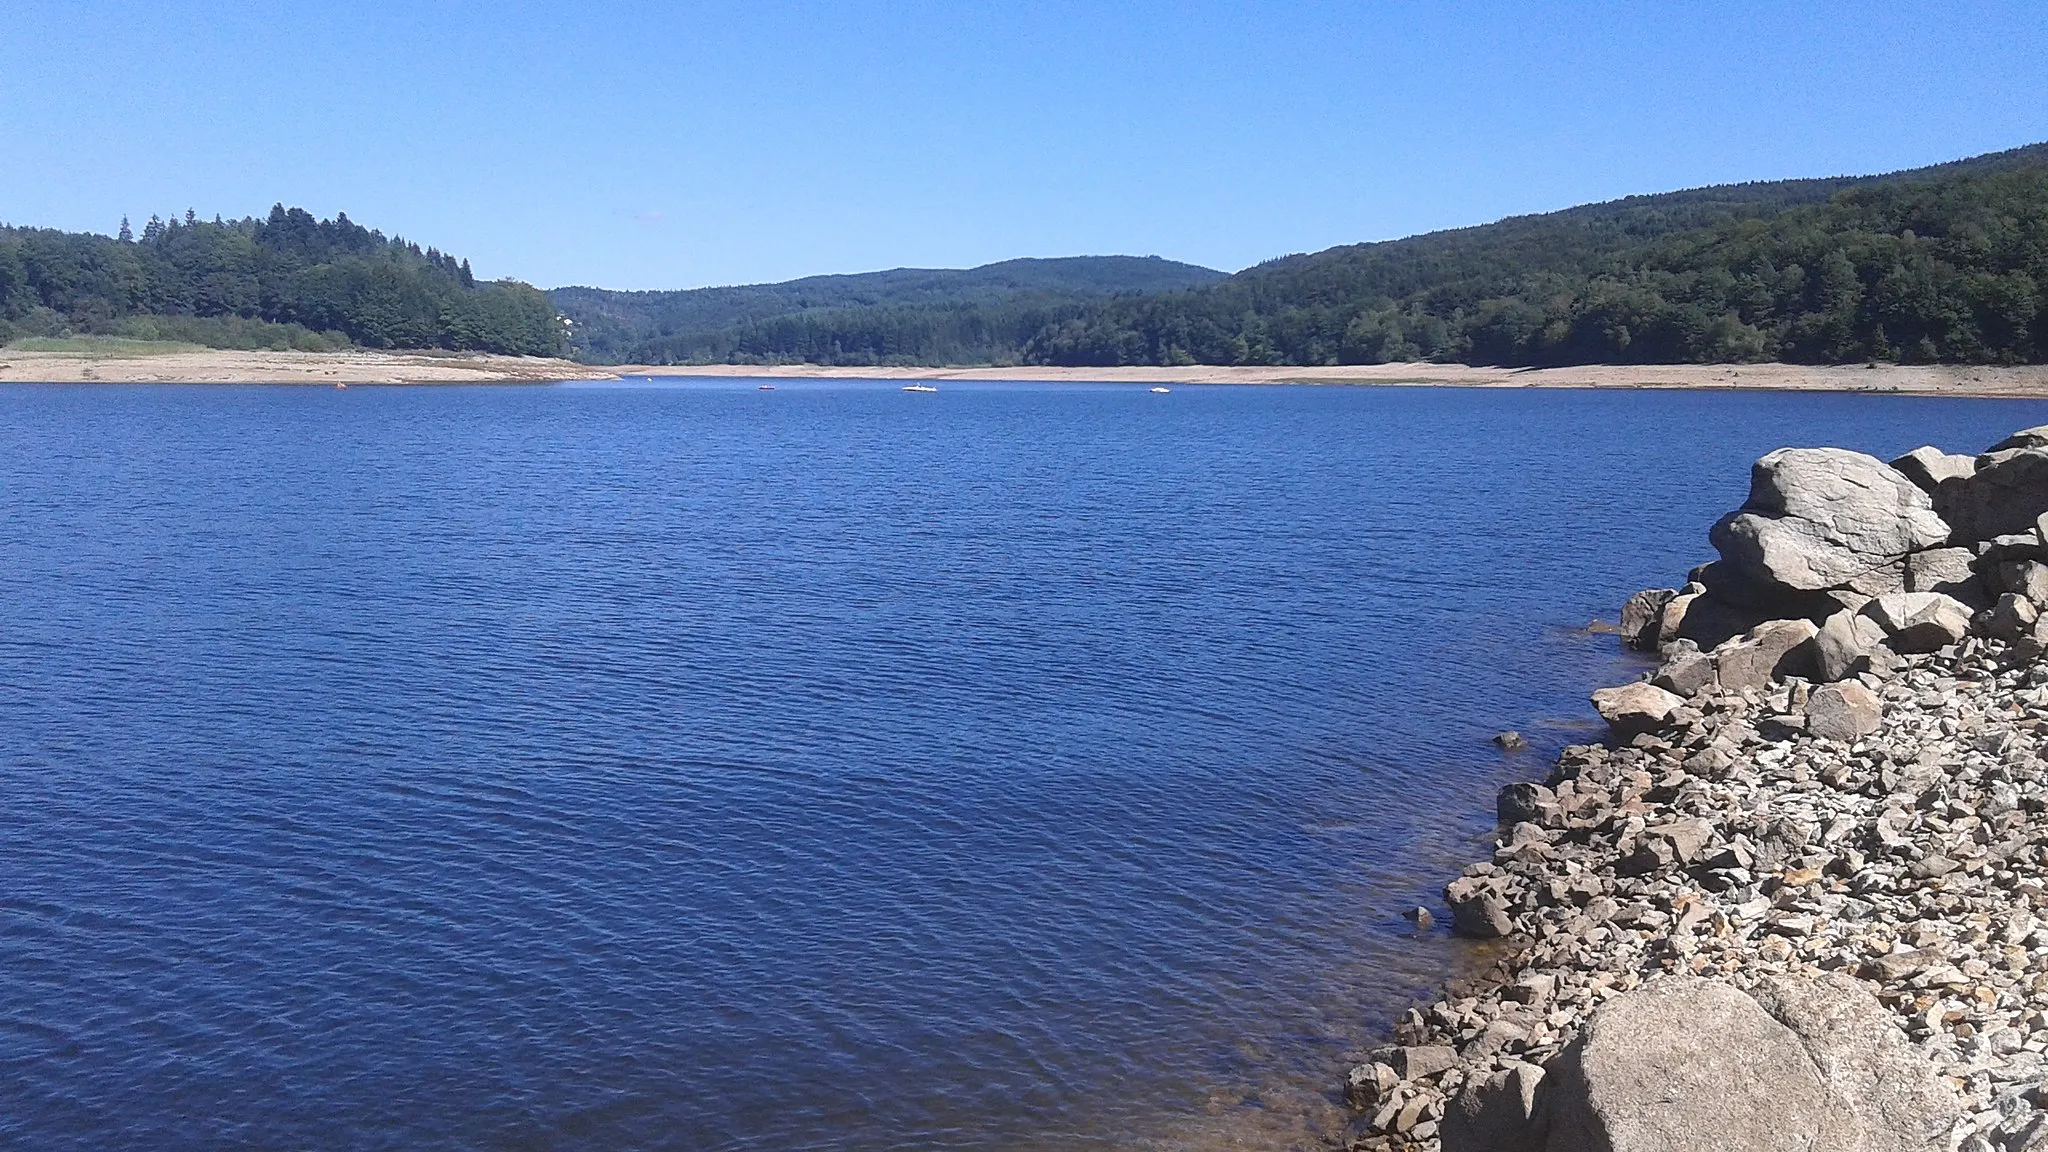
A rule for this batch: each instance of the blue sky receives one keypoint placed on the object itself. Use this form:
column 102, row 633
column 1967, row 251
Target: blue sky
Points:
column 657, row 145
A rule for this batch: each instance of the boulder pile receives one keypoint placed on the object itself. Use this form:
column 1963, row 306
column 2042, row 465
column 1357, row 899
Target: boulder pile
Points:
column 1799, row 897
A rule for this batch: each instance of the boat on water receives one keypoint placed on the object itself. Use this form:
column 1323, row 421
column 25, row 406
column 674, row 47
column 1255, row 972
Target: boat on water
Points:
column 919, row 388
column 1161, row 388
column 767, row 388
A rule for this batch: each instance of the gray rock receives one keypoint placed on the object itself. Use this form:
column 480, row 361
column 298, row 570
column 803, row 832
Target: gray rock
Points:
column 1672, row 619
column 1510, row 741
column 1946, row 570
column 2007, row 494
column 1497, row 1113
column 1632, row 709
column 1368, row 1085
column 1683, row 1064
column 1421, row 1061
column 2029, row 578
column 1847, row 644
column 1523, row 801
column 1477, row 909
column 1929, row 468
column 1820, row 518
column 2011, row 618
column 1919, row 621
column 1685, row 674
column 1643, row 616
column 1846, row 711
column 2035, row 437
column 1770, row 651
column 1898, row 1098
column 2013, row 546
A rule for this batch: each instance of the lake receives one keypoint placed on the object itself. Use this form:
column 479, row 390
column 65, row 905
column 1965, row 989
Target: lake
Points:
column 690, row 766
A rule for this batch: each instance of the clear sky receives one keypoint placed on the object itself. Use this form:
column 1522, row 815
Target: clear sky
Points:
column 668, row 145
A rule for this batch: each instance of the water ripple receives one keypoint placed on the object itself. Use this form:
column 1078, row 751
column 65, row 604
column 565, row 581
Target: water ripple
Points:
column 702, row 768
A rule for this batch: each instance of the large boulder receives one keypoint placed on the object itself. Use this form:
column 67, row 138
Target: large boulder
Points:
column 1683, row 1064
column 1919, row 621
column 1900, row 1102
column 1820, row 518
column 2007, row 493
column 1633, row 709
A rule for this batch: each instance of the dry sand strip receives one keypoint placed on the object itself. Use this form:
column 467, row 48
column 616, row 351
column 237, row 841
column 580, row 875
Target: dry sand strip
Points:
column 370, row 367
column 2023, row 381
column 225, row 367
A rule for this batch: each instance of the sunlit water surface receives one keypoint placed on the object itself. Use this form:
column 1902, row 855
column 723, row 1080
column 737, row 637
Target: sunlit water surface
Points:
column 701, row 767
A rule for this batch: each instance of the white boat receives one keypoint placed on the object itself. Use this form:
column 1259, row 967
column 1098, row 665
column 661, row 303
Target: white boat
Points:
column 919, row 388
column 1161, row 388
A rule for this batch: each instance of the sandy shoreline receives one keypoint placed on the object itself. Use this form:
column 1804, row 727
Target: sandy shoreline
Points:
column 2025, row 381
column 371, row 367
column 226, row 367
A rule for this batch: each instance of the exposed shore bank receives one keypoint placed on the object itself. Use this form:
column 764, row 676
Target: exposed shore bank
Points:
column 363, row 366
column 1799, row 897
column 360, row 366
column 1939, row 380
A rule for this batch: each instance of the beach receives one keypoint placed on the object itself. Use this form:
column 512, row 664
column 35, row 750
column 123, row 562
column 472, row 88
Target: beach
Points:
column 363, row 366
column 218, row 366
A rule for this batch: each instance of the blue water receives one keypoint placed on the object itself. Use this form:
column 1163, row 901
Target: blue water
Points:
column 697, row 767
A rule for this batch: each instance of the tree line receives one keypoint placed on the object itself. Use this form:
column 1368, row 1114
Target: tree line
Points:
column 1947, row 264
column 289, row 280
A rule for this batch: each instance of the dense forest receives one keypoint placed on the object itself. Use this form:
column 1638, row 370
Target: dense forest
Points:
column 1940, row 264
column 1945, row 264
column 288, row 281
column 905, row 315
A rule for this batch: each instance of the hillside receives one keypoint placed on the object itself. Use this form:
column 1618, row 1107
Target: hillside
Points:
column 1944, row 264
column 922, row 315
column 289, row 281
column 1937, row 264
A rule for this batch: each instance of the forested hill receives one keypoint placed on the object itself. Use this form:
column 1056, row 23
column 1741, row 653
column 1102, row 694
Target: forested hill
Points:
column 289, row 280
column 1947, row 263
column 922, row 315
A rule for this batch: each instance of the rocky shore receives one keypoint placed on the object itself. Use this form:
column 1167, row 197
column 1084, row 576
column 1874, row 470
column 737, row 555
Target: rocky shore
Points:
column 1799, row 897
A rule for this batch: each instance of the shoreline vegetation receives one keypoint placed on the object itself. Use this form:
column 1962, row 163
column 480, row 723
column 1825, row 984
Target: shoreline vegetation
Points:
column 1939, row 266
column 118, row 361
column 1798, row 898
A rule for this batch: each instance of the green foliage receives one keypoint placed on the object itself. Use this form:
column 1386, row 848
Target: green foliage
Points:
column 1948, row 263
column 903, row 316
column 1945, row 264
column 288, row 281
